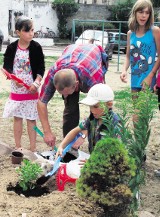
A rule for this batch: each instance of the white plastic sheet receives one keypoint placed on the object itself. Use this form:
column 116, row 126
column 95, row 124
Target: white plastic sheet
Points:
column 73, row 168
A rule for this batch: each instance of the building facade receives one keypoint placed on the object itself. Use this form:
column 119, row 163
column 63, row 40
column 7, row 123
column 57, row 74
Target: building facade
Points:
column 40, row 11
column 43, row 15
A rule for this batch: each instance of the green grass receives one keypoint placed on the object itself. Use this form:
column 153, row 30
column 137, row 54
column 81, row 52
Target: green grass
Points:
column 49, row 60
column 4, row 96
column 1, row 59
column 125, row 94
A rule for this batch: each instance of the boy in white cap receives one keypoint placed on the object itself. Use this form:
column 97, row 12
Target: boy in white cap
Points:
column 93, row 126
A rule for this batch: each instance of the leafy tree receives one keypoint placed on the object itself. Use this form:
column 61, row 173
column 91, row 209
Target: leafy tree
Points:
column 120, row 12
column 156, row 3
column 64, row 9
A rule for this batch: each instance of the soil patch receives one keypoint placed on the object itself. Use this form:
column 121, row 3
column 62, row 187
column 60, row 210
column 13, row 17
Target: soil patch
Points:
column 35, row 192
column 67, row 203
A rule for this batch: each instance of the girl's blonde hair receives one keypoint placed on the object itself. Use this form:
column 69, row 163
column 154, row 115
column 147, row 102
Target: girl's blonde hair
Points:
column 139, row 6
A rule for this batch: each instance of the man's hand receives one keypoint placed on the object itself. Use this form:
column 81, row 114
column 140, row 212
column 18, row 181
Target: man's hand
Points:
column 49, row 139
column 155, row 89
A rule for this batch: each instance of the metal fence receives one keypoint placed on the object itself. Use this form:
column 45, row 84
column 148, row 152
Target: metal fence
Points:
column 102, row 23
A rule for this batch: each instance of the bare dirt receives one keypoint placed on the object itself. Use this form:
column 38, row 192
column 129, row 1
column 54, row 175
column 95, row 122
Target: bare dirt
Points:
column 67, row 203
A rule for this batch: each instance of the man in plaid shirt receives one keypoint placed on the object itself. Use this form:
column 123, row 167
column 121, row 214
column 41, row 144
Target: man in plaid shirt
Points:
column 78, row 69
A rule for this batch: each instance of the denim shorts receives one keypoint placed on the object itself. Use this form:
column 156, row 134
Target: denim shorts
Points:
column 136, row 89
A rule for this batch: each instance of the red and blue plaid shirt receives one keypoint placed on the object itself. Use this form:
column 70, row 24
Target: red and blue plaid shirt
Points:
column 89, row 63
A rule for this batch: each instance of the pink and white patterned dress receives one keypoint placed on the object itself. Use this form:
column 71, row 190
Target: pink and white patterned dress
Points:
column 26, row 109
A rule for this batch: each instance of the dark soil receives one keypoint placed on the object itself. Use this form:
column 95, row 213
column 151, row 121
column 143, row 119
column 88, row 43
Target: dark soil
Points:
column 36, row 192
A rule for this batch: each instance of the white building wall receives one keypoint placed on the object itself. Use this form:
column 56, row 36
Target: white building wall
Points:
column 41, row 13
column 43, row 16
column 17, row 5
column 4, row 14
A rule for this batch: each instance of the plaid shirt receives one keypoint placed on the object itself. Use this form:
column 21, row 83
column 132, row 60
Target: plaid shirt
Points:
column 89, row 63
column 96, row 131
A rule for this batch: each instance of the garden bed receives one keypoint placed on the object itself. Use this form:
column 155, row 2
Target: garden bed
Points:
column 67, row 203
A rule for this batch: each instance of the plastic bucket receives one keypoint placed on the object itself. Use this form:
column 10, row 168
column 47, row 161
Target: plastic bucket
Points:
column 17, row 157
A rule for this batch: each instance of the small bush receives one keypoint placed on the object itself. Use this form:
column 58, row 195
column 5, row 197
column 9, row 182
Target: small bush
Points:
column 105, row 176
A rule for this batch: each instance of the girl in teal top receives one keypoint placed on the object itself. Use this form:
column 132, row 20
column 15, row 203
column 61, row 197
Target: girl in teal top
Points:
column 142, row 45
column 142, row 57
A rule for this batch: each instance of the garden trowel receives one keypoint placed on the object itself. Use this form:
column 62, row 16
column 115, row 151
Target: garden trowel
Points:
column 56, row 166
column 41, row 134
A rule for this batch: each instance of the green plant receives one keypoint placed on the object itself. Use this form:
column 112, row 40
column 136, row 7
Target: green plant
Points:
column 105, row 176
column 136, row 138
column 144, row 108
column 1, row 59
column 97, row 177
column 28, row 173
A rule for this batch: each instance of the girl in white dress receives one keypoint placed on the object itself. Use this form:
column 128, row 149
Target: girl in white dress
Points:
column 24, row 58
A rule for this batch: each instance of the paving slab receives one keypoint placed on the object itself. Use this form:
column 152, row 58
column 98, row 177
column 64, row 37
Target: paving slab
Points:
column 145, row 214
column 5, row 149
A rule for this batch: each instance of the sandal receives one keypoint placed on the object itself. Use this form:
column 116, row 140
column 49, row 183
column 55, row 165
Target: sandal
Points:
column 18, row 149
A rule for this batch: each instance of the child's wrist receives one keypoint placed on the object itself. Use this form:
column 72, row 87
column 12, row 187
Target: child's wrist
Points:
column 37, row 84
column 40, row 76
column 152, row 73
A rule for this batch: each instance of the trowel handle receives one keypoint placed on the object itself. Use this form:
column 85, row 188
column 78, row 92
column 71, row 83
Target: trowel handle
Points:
column 42, row 135
column 68, row 147
column 38, row 131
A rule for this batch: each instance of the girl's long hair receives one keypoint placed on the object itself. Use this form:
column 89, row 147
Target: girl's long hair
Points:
column 139, row 6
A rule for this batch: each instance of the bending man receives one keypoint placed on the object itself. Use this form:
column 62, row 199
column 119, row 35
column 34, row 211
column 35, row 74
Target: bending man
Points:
column 78, row 69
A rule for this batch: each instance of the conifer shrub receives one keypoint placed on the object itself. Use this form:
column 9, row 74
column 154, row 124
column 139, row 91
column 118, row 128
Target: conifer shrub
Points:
column 105, row 176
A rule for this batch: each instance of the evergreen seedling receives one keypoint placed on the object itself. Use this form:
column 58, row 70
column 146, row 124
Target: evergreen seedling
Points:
column 105, row 176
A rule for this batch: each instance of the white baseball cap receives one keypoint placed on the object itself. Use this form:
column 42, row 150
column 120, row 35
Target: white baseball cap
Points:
column 98, row 93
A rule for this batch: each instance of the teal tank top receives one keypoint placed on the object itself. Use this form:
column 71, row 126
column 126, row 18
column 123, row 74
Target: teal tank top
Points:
column 142, row 57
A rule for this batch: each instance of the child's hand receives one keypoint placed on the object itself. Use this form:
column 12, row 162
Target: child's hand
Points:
column 33, row 89
column 155, row 88
column 18, row 84
column 123, row 77
column 59, row 152
column 82, row 162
